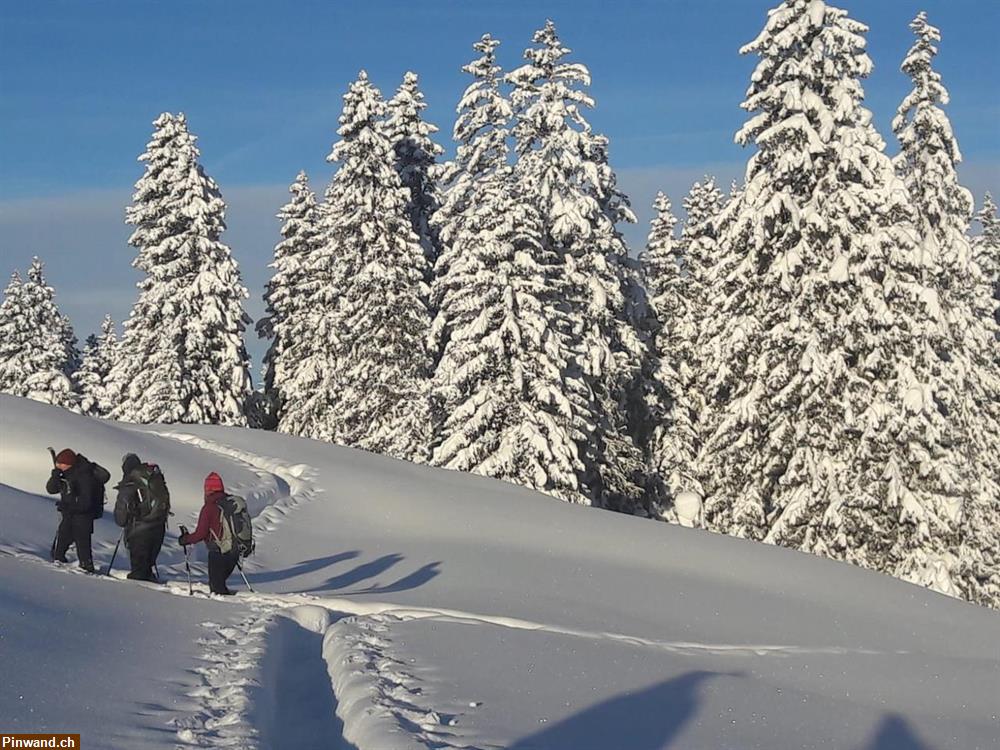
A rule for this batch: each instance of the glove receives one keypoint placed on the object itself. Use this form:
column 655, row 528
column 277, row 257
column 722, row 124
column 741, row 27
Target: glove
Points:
column 60, row 506
column 56, row 473
column 182, row 539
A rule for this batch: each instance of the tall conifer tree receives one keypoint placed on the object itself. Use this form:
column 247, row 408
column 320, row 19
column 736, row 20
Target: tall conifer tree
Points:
column 183, row 357
column 416, row 160
column 829, row 438
column 379, row 321
column 564, row 167
column 499, row 389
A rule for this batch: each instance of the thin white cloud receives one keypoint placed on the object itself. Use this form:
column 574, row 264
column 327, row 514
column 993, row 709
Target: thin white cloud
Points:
column 83, row 240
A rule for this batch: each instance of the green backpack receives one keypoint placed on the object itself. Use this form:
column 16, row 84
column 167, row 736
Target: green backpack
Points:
column 154, row 497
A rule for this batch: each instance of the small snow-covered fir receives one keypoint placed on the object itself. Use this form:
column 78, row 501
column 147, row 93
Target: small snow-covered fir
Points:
column 37, row 345
column 290, row 299
column 674, row 445
column 93, row 378
column 986, row 253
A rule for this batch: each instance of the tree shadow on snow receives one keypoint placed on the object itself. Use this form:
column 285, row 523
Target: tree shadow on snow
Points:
column 302, row 568
column 376, row 567
column 414, row 580
column 645, row 720
column 360, row 573
column 894, row 733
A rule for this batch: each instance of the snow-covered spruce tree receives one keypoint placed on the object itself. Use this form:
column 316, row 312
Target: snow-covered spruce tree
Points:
column 14, row 336
column 673, row 407
column 309, row 391
column 289, row 298
column 182, row 355
column 416, row 156
column 723, row 346
column 93, row 377
column 702, row 206
column 986, row 252
column 501, row 384
column 703, row 261
column 481, row 132
column 37, row 345
column 376, row 383
column 928, row 157
column 821, row 444
column 500, row 392
column 927, row 162
column 563, row 166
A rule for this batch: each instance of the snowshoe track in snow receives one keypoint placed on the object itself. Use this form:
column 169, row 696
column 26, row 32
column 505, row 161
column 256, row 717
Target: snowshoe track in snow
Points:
column 227, row 675
column 283, row 485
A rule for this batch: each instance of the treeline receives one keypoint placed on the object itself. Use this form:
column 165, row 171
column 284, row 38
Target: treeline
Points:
column 810, row 360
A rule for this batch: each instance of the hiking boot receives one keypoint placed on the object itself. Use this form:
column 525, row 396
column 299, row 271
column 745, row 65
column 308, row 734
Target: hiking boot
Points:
column 227, row 592
column 88, row 568
column 60, row 560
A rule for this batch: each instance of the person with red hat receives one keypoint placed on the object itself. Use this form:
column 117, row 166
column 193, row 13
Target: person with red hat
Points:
column 209, row 530
column 80, row 485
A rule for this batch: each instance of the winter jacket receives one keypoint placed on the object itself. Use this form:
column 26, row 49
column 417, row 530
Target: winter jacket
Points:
column 138, row 509
column 209, row 522
column 81, row 487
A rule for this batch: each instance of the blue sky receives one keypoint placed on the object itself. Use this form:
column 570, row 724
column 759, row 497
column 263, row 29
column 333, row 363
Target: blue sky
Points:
column 261, row 85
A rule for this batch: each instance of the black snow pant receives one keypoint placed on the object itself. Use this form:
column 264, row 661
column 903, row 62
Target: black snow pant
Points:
column 75, row 528
column 220, row 566
column 143, row 548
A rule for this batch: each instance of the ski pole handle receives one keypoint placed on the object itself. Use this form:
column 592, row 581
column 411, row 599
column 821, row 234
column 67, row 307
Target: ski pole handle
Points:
column 52, row 453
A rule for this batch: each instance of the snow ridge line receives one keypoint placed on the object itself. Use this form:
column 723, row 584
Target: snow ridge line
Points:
column 403, row 612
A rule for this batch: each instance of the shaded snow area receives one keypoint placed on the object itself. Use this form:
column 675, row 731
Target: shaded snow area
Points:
column 400, row 606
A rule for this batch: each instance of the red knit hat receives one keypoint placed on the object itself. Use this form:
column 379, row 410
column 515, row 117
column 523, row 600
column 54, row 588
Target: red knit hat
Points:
column 213, row 483
column 66, row 457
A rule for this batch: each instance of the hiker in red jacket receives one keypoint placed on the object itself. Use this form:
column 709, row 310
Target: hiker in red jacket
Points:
column 209, row 530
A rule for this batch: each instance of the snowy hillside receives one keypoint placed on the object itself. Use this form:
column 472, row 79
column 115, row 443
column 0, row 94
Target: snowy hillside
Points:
column 401, row 606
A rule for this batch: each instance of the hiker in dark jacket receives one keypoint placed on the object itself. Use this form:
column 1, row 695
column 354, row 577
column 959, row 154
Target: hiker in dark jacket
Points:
column 142, row 509
column 209, row 530
column 80, row 485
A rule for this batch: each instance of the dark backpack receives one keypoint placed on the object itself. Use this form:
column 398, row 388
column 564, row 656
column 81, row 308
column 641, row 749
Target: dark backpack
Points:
column 237, row 527
column 154, row 497
column 100, row 492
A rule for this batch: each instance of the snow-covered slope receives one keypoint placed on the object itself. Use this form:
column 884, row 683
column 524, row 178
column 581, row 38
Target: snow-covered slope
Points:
column 400, row 606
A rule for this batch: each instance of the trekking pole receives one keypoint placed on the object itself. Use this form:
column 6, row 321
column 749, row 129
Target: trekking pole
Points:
column 187, row 564
column 244, row 575
column 115, row 553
